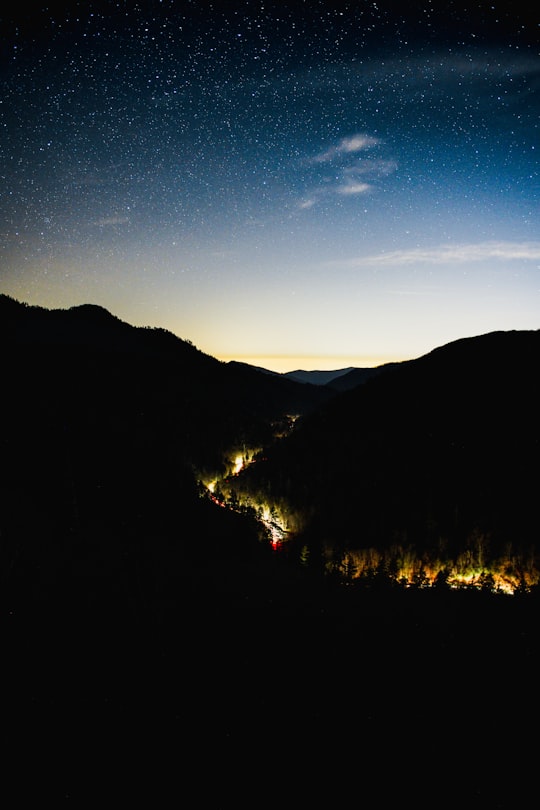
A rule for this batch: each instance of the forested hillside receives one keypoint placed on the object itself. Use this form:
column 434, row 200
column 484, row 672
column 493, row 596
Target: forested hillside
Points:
column 155, row 644
column 105, row 430
column 438, row 454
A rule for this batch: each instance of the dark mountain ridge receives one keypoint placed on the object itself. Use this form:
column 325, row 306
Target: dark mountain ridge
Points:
column 429, row 452
column 105, row 430
column 342, row 379
column 358, row 376
column 233, row 401
column 316, row 377
column 154, row 643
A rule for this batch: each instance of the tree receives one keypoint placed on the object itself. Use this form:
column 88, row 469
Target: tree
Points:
column 441, row 580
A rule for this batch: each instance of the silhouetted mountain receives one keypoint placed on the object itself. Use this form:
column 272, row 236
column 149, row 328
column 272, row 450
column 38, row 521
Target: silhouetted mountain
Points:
column 104, row 427
column 343, row 379
column 316, row 377
column 429, row 452
column 154, row 647
column 357, row 376
column 87, row 346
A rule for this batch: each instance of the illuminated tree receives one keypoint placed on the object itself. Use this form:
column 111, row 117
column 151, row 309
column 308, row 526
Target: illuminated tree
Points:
column 486, row 582
column 420, row 579
column 349, row 568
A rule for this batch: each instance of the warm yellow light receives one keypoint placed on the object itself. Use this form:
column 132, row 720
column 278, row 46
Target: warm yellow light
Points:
column 281, row 365
column 468, row 570
column 238, row 464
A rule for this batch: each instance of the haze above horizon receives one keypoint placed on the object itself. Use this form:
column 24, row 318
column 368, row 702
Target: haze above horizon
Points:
column 297, row 186
column 282, row 365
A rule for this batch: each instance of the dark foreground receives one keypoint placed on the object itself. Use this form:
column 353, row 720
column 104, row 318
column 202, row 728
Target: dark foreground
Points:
column 240, row 688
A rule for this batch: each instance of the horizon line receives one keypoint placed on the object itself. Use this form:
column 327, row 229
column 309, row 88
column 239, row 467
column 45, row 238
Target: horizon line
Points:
column 282, row 364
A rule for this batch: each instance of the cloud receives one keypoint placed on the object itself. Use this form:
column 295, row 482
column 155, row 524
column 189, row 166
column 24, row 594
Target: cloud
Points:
column 356, row 143
column 107, row 222
column 375, row 168
column 347, row 146
column 353, row 188
column 309, row 203
column 347, row 189
column 426, row 72
column 454, row 254
column 350, row 179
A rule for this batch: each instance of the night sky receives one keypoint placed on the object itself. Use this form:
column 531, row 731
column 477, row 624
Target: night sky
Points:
column 296, row 185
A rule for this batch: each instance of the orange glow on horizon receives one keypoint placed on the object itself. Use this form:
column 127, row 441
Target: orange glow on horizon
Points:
column 283, row 364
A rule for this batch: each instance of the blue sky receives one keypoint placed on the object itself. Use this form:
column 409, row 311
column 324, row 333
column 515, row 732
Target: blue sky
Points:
column 292, row 184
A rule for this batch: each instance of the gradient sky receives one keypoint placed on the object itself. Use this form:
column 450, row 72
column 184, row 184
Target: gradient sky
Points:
column 297, row 185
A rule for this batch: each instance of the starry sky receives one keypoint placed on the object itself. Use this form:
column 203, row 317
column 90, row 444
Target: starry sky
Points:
column 295, row 184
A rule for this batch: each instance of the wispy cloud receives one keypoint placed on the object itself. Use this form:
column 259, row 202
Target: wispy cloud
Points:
column 353, row 188
column 346, row 146
column 477, row 66
column 348, row 188
column 453, row 254
column 374, row 168
column 108, row 222
column 354, row 174
column 308, row 203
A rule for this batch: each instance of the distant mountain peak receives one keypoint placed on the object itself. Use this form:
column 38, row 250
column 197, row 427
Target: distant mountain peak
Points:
column 317, row 377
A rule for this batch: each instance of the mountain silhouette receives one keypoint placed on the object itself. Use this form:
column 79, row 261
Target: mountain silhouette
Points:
column 155, row 646
column 427, row 452
column 357, row 376
column 108, row 425
column 105, row 431
column 317, row 377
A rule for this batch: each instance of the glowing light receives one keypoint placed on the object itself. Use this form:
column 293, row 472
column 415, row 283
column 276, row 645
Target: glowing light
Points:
column 473, row 568
column 268, row 515
column 275, row 525
column 502, row 575
column 238, row 464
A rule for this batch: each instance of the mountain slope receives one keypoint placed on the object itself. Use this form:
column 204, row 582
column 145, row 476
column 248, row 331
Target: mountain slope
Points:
column 86, row 352
column 317, row 377
column 357, row 376
column 103, row 430
column 150, row 639
column 432, row 451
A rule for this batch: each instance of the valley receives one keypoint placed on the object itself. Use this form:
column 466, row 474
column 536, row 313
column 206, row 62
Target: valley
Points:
column 188, row 576
column 401, row 476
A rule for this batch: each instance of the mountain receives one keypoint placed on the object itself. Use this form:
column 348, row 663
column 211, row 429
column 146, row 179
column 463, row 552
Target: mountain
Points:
column 316, row 377
column 86, row 350
column 105, row 429
column 356, row 376
column 438, row 452
column 342, row 379
column 156, row 647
